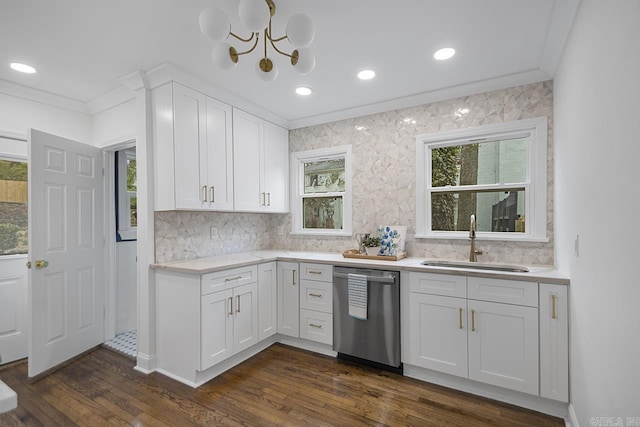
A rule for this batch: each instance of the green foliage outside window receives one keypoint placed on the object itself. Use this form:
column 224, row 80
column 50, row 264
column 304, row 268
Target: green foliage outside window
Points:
column 444, row 172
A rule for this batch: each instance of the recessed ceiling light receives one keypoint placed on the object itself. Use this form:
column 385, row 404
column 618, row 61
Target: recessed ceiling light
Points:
column 304, row 91
column 444, row 53
column 366, row 74
column 23, row 68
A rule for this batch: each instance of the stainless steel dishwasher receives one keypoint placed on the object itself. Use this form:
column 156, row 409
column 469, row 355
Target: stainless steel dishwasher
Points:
column 375, row 339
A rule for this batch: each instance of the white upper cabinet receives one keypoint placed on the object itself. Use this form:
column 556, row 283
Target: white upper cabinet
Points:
column 193, row 150
column 261, row 164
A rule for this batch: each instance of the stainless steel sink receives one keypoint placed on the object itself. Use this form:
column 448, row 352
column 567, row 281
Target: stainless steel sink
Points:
column 476, row 266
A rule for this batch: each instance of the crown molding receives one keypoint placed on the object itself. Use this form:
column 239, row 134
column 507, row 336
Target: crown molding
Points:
column 167, row 72
column 562, row 18
column 466, row 89
column 36, row 95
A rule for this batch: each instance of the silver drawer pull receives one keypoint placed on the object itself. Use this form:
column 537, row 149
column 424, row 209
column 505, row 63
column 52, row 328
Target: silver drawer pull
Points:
column 315, row 295
column 231, row 279
column 315, row 325
column 314, row 272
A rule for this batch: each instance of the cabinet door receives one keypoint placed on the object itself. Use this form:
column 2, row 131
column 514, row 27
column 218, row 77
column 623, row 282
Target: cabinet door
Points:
column 554, row 342
column 245, row 322
column 218, row 154
column 216, row 328
column 276, row 168
column 189, row 115
column 247, row 169
column 288, row 299
column 503, row 345
column 267, row 302
column 438, row 333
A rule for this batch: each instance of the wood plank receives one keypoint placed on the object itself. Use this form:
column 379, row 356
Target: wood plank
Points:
column 281, row 386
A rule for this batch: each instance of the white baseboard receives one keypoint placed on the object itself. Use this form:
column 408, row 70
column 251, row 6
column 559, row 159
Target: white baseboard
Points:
column 573, row 418
column 529, row 401
column 146, row 363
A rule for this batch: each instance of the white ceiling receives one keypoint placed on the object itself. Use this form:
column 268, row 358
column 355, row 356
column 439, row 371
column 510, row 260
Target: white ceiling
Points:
column 82, row 47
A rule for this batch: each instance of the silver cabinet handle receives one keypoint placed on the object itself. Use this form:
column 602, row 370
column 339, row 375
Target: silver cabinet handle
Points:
column 293, row 277
column 204, row 194
column 230, row 306
column 212, row 194
column 264, row 199
column 460, row 318
column 315, row 325
column 553, row 305
column 268, row 199
column 238, row 303
column 314, row 272
column 231, row 279
column 315, row 295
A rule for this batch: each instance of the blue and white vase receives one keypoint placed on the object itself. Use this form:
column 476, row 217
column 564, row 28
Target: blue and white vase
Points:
column 392, row 239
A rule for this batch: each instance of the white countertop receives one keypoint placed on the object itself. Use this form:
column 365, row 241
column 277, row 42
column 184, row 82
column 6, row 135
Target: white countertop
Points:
column 222, row 262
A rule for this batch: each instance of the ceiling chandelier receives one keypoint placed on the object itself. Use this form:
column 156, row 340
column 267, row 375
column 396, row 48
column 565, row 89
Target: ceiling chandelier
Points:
column 256, row 15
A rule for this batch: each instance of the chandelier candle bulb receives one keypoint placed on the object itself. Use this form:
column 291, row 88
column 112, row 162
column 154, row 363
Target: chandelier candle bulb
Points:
column 214, row 24
column 254, row 14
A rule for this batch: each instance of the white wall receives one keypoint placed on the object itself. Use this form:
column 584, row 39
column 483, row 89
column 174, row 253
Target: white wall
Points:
column 17, row 115
column 597, row 147
column 115, row 125
column 126, row 289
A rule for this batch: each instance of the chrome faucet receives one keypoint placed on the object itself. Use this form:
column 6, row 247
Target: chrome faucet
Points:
column 473, row 254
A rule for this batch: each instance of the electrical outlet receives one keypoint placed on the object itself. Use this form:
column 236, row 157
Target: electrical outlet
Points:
column 213, row 232
column 576, row 246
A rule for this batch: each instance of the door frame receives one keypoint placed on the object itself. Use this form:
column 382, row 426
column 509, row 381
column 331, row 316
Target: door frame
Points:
column 109, row 151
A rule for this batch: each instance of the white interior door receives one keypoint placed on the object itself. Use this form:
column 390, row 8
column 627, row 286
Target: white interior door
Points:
column 66, row 243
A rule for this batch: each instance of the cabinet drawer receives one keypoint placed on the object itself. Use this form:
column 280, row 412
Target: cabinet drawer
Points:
column 438, row 284
column 316, row 326
column 506, row 291
column 219, row 280
column 319, row 272
column 316, row 296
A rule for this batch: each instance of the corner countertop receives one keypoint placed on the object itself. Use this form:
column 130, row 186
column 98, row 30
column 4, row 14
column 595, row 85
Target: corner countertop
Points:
column 546, row 274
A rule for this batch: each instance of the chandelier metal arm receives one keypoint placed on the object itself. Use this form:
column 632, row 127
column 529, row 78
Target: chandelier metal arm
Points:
column 267, row 33
column 252, row 48
column 231, row 33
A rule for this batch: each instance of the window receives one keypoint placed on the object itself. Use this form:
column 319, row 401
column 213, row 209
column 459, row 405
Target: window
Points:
column 13, row 207
column 496, row 172
column 126, row 198
column 321, row 191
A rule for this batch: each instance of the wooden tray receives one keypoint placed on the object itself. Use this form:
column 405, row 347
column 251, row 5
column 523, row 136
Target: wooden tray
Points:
column 354, row 253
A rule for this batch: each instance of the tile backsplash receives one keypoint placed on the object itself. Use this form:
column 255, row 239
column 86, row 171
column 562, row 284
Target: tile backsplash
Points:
column 384, row 175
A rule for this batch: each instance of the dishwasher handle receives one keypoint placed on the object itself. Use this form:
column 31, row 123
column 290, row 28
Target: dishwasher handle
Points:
column 378, row 279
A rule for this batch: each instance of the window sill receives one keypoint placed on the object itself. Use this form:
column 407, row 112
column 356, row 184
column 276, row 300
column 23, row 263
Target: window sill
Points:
column 480, row 236
column 340, row 233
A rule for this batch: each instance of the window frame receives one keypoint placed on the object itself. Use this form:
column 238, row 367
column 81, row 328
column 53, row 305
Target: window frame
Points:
column 535, row 184
column 124, row 230
column 10, row 156
column 298, row 159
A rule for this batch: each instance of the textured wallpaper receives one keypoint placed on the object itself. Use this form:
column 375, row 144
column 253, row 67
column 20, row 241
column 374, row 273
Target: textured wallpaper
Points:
column 384, row 168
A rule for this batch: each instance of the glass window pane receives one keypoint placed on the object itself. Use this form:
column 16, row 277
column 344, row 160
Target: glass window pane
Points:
column 133, row 210
column 324, row 176
column 492, row 162
column 495, row 211
column 322, row 212
column 13, row 208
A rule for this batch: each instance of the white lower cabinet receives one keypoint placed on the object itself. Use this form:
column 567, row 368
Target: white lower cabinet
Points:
column 316, row 303
column 267, row 300
column 503, row 345
column 554, row 342
column 229, row 323
column 289, row 299
column 439, row 333
column 205, row 319
column 498, row 332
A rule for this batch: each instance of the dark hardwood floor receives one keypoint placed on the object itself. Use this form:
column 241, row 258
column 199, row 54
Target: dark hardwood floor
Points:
column 282, row 386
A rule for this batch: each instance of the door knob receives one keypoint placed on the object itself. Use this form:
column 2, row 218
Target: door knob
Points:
column 29, row 264
column 41, row 263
